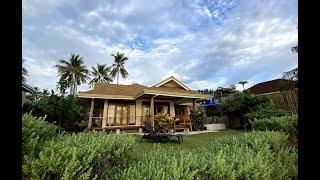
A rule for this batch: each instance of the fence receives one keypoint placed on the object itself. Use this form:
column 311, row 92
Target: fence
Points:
column 288, row 100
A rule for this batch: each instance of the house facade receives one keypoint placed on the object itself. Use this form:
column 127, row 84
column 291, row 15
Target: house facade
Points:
column 114, row 106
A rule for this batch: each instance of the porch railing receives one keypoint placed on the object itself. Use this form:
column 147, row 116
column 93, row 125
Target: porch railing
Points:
column 181, row 122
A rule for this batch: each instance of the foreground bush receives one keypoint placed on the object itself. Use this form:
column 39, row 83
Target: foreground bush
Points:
column 35, row 131
column 81, row 156
column 286, row 124
column 255, row 155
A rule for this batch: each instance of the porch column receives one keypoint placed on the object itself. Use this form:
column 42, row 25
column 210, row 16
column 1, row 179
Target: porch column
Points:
column 172, row 112
column 152, row 111
column 138, row 112
column 91, row 113
column 105, row 113
column 194, row 104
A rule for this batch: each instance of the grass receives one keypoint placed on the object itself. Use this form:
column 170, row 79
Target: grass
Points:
column 189, row 141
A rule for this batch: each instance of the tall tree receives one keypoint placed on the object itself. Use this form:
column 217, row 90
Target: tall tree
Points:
column 118, row 66
column 101, row 74
column 24, row 72
column 243, row 83
column 74, row 72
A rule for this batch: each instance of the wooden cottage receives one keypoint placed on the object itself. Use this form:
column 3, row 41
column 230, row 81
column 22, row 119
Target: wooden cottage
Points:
column 113, row 106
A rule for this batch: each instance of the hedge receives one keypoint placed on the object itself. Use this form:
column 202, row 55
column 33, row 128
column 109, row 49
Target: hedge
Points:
column 255, row 155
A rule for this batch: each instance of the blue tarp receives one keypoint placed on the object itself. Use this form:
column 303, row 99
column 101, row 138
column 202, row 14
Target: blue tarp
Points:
column 209, row 102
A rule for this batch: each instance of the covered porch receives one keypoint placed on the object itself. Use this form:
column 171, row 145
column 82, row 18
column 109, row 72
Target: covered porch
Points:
column 128, row 114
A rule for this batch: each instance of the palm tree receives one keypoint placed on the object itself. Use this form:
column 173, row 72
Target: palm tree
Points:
column 243, row 83
column 118, row 66
column 74, row 72
column 62, row 86
column 101, row 74
column 24, row 72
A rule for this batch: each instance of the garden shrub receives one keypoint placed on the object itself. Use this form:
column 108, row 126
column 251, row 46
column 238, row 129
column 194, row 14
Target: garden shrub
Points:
column 81, row 156
column 265, row 111
column 198, row 118
column 65, row 111
column 239, row 105
column 286, row 124
column 35, row 131
column 254, row 155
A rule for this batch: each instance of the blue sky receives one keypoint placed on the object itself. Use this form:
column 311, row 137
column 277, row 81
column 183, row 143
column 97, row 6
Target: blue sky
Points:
column 203, row 43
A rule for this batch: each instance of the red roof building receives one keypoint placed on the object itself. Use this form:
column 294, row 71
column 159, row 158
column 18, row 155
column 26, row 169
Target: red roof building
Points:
column 273, row 86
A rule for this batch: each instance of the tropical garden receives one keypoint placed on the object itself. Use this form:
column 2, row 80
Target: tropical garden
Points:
column 260, row 143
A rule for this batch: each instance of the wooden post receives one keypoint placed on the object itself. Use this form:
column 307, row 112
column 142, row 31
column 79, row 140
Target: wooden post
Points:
column 105, row 113
column 194, row 104
column 91, row 114
column 152, row 111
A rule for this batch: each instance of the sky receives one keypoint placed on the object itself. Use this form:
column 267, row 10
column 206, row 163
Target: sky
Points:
column 203, row 43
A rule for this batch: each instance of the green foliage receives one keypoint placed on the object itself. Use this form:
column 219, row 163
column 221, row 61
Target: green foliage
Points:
column 35, row 131
column 65, row 111
column 81, row 156
column 242, row 103
column 286, row 124
column 198, row 118
column 72, row 73
column 163, row 120
column 265, row 111
column 255, row 155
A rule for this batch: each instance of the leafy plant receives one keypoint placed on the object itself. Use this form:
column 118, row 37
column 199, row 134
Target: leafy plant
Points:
column 163, row 120
column 198, row 118
column 242, row 103
column 265, row 111
column 81, row 156
column 65, row 111
column 286, row 124
column 35, row 131
column 254, row 155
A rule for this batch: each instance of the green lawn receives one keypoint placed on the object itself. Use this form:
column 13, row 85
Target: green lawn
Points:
column 189, row 141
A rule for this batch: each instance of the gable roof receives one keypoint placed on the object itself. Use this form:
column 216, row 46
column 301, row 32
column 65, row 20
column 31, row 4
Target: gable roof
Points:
column 271, row 86
column 27, row 88
column 133, row 91
column 171, row 78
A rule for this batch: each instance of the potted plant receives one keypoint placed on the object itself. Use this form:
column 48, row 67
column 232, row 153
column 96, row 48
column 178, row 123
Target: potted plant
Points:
column 198, row 119
column 163, row 120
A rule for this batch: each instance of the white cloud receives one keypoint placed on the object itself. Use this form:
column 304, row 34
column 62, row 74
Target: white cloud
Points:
column 205, row 46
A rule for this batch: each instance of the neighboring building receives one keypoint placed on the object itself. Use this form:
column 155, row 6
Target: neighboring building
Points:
column 273, row 86
column 115, row 106
column 26, row 89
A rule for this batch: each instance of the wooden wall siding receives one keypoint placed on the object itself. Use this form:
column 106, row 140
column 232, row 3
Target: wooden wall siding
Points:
column 288, row 100
column 172, row 84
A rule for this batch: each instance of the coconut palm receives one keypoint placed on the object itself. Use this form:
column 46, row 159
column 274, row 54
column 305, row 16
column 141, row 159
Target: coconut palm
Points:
column 101, row 74
column 62, row 86
column 118, row 66
column 24, row 72
column 243, row 83
column 74, row 72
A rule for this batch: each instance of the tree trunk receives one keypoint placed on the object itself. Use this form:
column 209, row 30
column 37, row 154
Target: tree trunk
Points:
column 118, row 76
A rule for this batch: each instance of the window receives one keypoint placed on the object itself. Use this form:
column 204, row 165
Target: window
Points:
column 111, row 112
column 121, row 114
column 132, row 118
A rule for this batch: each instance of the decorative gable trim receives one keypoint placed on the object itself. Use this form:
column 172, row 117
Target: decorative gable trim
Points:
column 171, row 78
